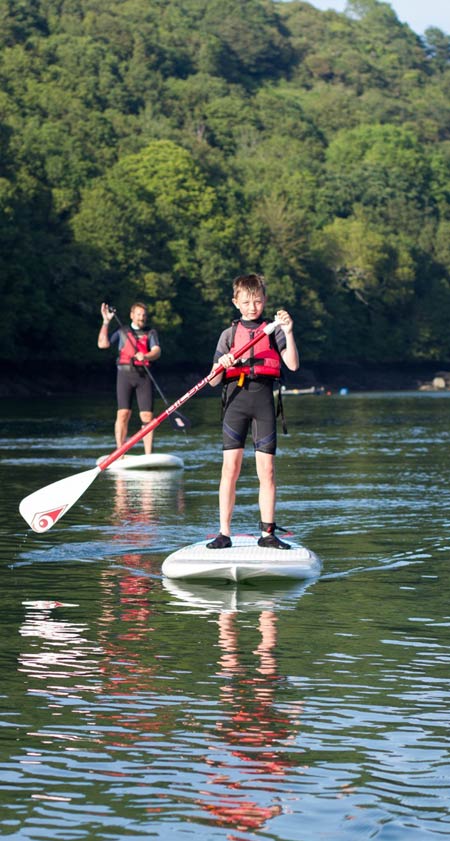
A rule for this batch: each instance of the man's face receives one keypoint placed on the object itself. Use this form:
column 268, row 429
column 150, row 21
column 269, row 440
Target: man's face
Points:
column 139, row 316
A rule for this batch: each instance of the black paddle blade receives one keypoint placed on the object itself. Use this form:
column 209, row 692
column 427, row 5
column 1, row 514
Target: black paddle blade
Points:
column 179, row 422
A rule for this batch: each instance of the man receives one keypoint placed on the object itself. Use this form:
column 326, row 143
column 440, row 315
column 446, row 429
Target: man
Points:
column 138, row 348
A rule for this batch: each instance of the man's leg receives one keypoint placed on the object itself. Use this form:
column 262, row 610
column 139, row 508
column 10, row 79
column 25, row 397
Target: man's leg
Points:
column 121, row 426
column 146, row 417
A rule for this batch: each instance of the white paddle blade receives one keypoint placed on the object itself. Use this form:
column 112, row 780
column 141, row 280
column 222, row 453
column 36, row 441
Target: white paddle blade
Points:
column 43, row 508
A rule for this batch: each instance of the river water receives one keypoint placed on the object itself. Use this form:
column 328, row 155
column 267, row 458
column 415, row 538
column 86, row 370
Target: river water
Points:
column 134, row 708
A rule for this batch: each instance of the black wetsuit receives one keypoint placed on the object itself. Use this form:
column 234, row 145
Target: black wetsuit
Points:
column 133, row 379
column 250, row 405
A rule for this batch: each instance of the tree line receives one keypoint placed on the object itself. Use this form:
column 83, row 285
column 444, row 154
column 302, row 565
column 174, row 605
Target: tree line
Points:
column 154, row 149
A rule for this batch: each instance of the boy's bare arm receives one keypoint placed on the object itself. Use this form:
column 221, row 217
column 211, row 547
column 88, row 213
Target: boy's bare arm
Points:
column 290, row 353
column 227, row 360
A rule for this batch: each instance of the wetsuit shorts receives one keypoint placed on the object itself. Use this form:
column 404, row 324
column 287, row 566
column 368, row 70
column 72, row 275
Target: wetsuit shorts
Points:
column 131, row 381
column 251, row 405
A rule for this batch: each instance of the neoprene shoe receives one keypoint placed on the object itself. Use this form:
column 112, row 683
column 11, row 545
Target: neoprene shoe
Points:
column 271, row 541
column 222, row 541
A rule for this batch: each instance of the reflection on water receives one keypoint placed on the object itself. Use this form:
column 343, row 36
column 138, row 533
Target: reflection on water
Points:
column 58, row 648
column 252, row 726
column 140, row 499
column 140, row 495
column 202, row 599
column 132, row 705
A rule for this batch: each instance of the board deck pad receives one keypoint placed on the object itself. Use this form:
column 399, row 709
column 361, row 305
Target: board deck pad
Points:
column 245, row 560
column 154, row 461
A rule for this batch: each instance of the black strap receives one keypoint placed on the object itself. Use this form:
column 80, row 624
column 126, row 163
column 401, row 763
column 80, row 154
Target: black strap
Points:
column 280, row 409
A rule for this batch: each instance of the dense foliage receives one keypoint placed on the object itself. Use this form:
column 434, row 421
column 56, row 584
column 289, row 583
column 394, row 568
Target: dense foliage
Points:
column 154, row 149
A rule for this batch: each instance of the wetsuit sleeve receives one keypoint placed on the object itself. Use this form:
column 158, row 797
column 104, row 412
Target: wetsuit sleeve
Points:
column 153, row 340
column 114, row 337
column 223, row 345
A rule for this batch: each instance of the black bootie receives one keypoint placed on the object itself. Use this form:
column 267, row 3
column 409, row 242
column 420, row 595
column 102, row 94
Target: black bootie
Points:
column 268, row 539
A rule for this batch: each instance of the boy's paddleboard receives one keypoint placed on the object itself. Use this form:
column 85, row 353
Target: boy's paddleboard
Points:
column 243, row 561
column 154, row 461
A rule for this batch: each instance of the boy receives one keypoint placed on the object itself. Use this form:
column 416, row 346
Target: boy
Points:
column 138, row 348
column 248, row 400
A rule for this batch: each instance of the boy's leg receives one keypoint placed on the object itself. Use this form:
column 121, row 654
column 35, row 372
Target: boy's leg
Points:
column 231, row 468
column 235, row 426
column 265, row 468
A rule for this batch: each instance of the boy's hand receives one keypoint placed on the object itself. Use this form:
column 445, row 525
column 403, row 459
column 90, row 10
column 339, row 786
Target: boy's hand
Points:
column 227, row 360
column 285, row 321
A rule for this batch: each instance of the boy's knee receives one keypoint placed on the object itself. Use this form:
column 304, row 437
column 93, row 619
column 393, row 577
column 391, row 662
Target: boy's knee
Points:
column 231, row 465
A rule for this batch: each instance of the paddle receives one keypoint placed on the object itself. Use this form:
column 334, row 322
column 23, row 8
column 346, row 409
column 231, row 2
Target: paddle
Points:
column 178, row 421
column 43, row 508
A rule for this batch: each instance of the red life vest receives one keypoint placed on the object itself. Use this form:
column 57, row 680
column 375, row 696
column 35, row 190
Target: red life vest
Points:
column 133, row 343
column 264, row 359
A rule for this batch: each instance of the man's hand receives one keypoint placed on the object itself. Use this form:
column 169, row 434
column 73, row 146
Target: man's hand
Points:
column 106, row 314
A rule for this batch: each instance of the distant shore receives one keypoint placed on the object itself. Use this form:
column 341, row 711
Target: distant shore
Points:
column 51, row 379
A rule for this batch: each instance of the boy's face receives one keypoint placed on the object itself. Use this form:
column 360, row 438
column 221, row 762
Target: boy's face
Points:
column 250, row 304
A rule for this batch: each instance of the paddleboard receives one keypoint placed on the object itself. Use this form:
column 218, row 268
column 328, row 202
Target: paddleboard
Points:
column 154, row 461
column 245, row 560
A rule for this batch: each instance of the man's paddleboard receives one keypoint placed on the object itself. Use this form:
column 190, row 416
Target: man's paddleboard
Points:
column 243, row 561
column 154, row 461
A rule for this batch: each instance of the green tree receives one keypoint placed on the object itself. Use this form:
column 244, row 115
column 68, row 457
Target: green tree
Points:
column 372, row 164
column 141, row 222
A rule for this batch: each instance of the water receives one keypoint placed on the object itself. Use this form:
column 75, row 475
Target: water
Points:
column 133, row 707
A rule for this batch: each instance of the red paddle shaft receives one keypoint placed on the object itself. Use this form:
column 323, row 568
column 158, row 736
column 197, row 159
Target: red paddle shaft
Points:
column 149, row 427
column 43, row 508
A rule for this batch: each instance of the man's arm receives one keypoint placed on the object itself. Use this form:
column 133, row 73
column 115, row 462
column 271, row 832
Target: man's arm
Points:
column 103, row 339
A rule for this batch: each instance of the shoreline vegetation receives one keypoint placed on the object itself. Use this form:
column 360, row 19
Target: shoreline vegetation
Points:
column 54, row 380
column 154, row 150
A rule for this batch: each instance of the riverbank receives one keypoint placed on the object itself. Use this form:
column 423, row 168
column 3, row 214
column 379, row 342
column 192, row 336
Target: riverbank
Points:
column 52, row 379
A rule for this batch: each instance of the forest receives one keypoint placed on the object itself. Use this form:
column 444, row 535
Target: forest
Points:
column 154, row 149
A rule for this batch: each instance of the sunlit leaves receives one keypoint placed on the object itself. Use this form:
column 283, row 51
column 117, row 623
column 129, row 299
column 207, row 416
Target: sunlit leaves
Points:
column 159, row 147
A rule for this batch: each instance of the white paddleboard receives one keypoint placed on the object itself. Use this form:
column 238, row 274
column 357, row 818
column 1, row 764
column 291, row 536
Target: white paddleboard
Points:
column 154, row 461
column 245, row 560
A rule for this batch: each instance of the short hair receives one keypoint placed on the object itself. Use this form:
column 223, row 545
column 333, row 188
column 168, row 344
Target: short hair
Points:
column 251, row 283
column 139, row 304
